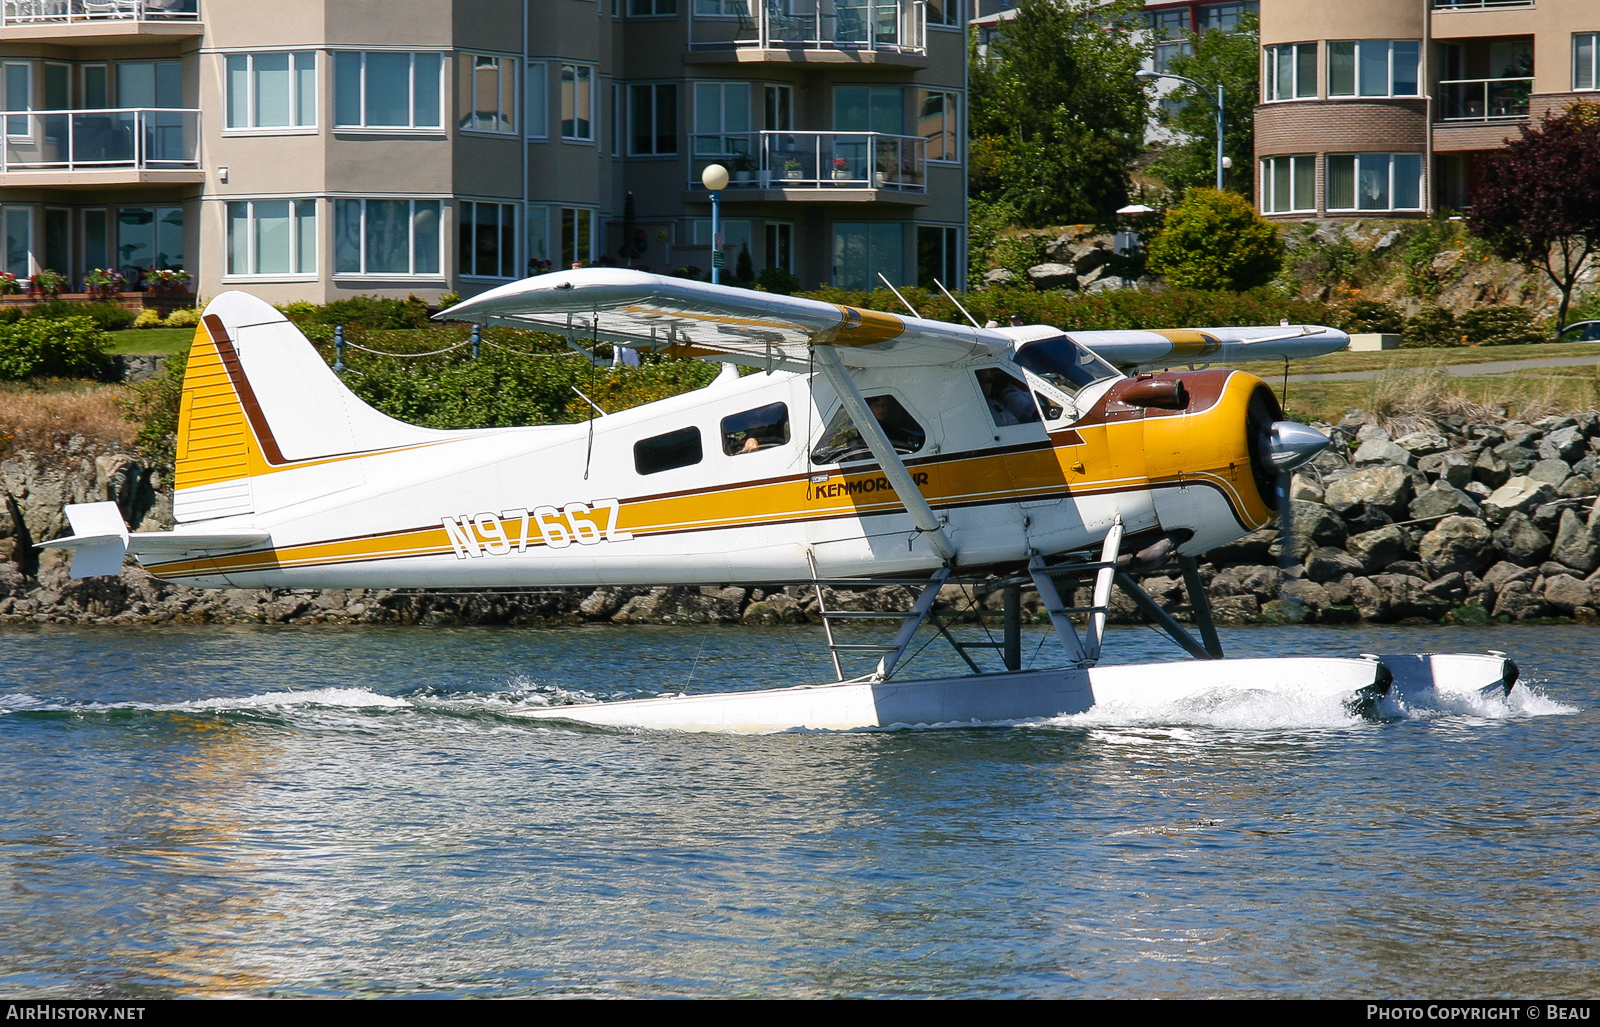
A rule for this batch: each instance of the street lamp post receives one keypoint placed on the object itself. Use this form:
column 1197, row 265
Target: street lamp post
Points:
column 715, row 178
column 1216, row 100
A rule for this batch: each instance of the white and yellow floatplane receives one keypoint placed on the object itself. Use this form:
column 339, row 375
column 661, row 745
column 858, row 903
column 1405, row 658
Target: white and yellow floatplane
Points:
column 870, row 447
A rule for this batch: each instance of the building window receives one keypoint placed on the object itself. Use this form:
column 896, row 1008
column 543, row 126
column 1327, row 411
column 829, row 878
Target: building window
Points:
column 272, row 237
column 488, row 92
column 780, row 245
column 1374, row 181
column 721, row 118
column 488, row 236
column 150, row 237
column 652, row 8
column 386, row 237
column 18, row 96
column 272, row 90
column 577, row 235
column 1225, row 17
column 1170, row 31
column 869, row 109
column 1288, row 184
column 938, row 256
column 19, row 240
column 653, row 119
column 936, row 122
column 577, row 102
column 538, row 240
column 536, row 100
column 1290, row 72
column 1373, row 67
column 865, row 249
column 1586, row 60
column 149, row 84
column 945, row 12
column 387, row 90
column 721, row 9
column 779, row 108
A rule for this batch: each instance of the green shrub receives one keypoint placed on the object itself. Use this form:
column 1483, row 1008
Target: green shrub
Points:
column 371, row 312
column 1018, row 253
column 149, row 317
column 1501, row 325
column 10, row 314
column 1367, row 316
column 72, row 347
column 777, row 280
column 1432, row 326
column 107, row 316
column 183, row 317
column 1216, row 240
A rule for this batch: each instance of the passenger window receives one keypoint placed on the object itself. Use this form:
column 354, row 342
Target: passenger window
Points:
column 841, row 442
column 664, row 452
column 761, row 428
column 1009, row 401
column 1051, row 408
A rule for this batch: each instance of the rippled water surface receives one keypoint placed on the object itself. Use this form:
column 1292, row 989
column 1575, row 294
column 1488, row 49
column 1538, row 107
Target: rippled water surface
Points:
column 285, row 811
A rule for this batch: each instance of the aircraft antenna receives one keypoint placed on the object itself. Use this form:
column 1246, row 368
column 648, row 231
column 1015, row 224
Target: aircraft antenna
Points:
column 897, row 295
column 957, row 302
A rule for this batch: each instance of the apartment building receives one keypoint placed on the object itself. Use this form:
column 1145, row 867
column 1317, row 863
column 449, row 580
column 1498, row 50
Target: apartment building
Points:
column 1385, row 108
column 310, row 149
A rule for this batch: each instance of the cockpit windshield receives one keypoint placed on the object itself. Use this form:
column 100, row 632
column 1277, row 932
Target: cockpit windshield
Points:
column 1063, row 363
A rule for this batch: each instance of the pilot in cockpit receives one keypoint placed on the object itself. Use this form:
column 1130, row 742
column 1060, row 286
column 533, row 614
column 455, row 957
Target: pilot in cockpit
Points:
column 1008, row 399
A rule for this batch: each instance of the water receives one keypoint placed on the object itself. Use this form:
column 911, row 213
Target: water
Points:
column 330, row 812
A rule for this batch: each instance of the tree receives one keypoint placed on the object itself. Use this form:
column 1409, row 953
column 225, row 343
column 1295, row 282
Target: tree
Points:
column 1538, row 201
column 1057, row 116
column 1216, row 240
column 1233, row 59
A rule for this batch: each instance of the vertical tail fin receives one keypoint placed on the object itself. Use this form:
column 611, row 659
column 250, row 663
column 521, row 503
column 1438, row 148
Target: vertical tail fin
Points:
column 259, row 401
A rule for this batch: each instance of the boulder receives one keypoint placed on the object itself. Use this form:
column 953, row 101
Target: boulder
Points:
column 998, row 276
column 1457, row 545
column 1566, row 593
column 1304, row 489
column 1329, row 564
column 1552, row 472
column 1577, row 543
column 1254, row 548
column 1521, row 541
column 1564, row 444
column 1518, row 602
column 1052, row 276
column 1453, row 467
column 1377, row 549
column 1517, row 494
column 1311, row 525
column 1441, row 499
column 1505, row 572
column 1408, row 596
column 1371, row 433
column 1423, row 443
column 1388, row 488
column 1491, row 470
column 1381, row 451
column 1578, row 486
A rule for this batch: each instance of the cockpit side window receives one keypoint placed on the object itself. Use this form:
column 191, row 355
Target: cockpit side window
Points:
column 841, row 443
column 753, row 430
column 1008, row 399
column 1063, row 363
column 664, row 452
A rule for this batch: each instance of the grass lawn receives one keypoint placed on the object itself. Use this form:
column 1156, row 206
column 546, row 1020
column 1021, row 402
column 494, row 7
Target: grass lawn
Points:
column 151, row 340
column 1403, row 358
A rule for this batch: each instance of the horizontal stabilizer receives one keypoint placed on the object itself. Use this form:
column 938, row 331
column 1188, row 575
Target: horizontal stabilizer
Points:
column 100, row 539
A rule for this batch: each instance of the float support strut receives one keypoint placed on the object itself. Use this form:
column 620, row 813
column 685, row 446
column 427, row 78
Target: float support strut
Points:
column 1200, row 605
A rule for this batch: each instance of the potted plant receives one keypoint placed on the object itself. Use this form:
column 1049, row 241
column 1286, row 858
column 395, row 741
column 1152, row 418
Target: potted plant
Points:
column 163, row 280
column 841, row 169
column 10, row 285
column 103, row 283
column 791, row 169
column 47, row 284
column 742, row 167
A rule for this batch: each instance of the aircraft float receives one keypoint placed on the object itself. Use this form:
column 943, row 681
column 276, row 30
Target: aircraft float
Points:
column 865, row 447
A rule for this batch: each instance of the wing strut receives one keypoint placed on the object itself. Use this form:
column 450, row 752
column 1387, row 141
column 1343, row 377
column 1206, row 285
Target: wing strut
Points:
column 894, row 468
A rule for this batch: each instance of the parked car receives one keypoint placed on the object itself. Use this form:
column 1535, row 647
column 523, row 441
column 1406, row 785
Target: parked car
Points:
column 1581, row 331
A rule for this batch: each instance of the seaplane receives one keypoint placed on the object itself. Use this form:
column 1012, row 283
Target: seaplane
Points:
column 838, row 447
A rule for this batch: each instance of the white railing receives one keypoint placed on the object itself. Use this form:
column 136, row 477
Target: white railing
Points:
column 136, row 137
column 1477, row 5
column 1484, row 99
column 815, row 160
column 894, row 26
column 31, row 12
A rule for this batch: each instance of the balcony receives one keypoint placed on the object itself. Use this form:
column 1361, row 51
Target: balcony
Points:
column 1478, row 5
column 889, row 32
column 95, row 148
column 1484, row 99
column 98, row 22
column 836, row 167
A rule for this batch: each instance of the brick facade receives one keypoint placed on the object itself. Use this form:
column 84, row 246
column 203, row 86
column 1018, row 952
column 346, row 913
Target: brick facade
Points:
column 1341, row 126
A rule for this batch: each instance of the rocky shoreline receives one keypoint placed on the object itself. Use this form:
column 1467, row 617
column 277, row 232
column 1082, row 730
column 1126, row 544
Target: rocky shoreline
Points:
column 1451, row 522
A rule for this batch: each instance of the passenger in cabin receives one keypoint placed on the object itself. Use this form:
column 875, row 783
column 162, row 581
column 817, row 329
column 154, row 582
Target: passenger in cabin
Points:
column 1009, row 401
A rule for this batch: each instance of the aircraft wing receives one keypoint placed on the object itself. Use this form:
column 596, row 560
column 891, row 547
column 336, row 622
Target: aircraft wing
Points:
column 1146, row 350
column 716, row 322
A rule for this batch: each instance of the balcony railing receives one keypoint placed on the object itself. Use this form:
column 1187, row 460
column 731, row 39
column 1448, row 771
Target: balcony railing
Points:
column 154, row 138
column 893, row 26
column 819, row 160
column 1484, row 99
column 1477, row 5
column 33, row 12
